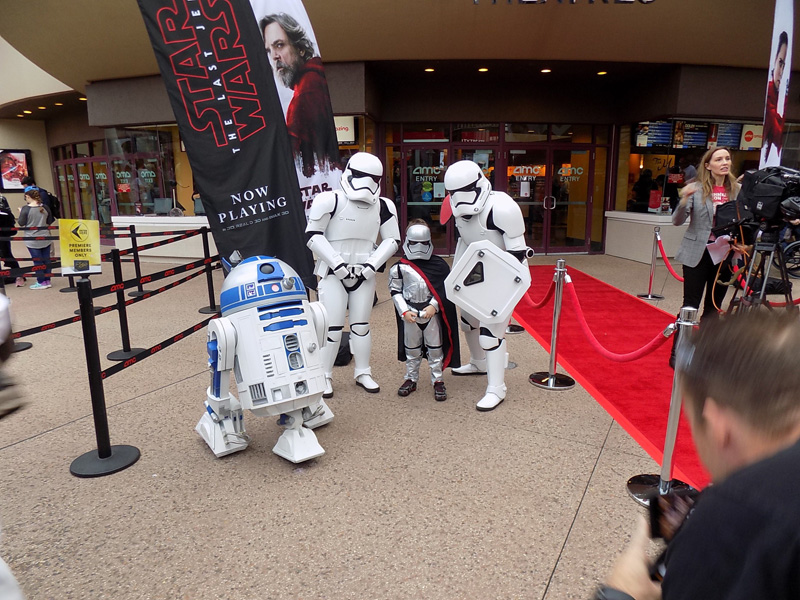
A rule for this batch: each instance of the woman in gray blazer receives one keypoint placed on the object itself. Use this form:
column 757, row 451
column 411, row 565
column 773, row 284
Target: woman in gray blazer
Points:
column 715, row 185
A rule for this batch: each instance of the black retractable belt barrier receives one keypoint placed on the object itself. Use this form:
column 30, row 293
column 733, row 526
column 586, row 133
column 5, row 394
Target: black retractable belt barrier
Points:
column 107, row 459
column 126, row 351
column 212, row 305
column 139, row 291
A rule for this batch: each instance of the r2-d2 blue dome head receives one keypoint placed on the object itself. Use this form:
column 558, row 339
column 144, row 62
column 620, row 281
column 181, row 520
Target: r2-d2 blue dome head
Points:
column 260, row 281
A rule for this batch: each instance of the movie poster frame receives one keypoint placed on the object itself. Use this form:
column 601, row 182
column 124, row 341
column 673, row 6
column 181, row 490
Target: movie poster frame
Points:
column 4, row 187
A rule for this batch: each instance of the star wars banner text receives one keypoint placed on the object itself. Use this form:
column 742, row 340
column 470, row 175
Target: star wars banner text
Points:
column 211, row 56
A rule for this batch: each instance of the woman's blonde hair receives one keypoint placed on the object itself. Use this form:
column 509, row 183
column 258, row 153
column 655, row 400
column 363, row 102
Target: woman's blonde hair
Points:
column 706, row 179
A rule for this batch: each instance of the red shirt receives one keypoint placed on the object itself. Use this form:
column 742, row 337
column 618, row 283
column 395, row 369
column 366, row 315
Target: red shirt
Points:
column 719, row 195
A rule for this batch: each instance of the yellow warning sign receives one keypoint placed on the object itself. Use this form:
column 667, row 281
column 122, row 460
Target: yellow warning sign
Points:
column 80, row 246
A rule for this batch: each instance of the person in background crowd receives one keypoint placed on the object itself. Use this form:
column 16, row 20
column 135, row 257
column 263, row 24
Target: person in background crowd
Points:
column 715, row 185
column 36, row 215
column 773, row 120
column 687, row 168
column 309, row 117
column 642, row 189
column 740, row 384
column 44, row 195
column 7, row 221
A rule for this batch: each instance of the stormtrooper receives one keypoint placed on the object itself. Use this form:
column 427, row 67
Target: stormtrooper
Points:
column 272, row 338
column 343, row 228
column 489, row 224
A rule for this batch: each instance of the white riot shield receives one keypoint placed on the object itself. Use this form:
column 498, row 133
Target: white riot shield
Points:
column 487, row 282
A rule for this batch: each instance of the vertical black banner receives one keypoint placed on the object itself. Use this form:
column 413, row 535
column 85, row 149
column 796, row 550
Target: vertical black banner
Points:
column 221, row 88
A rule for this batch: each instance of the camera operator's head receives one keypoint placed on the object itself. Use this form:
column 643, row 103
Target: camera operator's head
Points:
column 716, row 169
column 741, row 386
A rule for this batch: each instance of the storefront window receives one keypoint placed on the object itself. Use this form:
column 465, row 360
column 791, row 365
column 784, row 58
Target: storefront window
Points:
column 82, row 150
column 576, row 134
column 426, row 133
column 476, row 132
column 392, row 134
column 664, row 155
column 526, row 132
column 98, row 148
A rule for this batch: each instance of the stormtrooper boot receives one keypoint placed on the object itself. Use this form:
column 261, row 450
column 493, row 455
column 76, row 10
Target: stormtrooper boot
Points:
column 496, row 390
column 361, row 347
column 477, row 361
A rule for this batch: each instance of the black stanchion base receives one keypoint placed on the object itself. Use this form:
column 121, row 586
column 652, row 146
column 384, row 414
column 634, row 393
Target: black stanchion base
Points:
column 558, row 381
column 20, row 346
column 514, row 328
column 91, row 465
column 643, row 487
column 122, row 355
column 209, row 310
column 137, row 293
column 68, row 289
column 649, row 296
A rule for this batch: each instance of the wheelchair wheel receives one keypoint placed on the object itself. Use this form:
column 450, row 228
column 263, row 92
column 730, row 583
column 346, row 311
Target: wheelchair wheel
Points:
column 791, row 255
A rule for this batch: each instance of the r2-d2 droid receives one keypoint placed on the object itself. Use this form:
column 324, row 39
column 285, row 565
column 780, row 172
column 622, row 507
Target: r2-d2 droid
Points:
column 270, row 336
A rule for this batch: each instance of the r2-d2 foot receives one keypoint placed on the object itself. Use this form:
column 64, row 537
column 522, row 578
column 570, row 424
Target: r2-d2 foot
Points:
column 297, row 443
column 223, row 434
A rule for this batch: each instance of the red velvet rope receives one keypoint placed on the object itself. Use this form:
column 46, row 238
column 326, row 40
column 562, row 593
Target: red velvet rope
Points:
column 630, row 356
column 545, row 300
column 666, row 261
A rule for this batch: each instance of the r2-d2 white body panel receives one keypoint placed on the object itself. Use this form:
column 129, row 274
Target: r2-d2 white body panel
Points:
column 269, row 336
column 487, row 282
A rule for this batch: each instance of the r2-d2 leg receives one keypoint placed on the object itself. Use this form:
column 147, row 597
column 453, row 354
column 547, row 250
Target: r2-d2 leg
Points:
column 222, row 423
column 297, row 443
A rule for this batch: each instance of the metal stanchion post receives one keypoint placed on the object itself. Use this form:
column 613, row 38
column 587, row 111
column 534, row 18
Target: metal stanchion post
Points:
column 643, row 487
column 139, row 291
column 212, row 305
column 550, row 380
column 650, row 295
column 107, row 459
column 126, row 351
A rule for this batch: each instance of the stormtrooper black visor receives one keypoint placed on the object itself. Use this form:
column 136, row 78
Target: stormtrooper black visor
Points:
column 359, row 180
column 412, row 243
column 465, row 195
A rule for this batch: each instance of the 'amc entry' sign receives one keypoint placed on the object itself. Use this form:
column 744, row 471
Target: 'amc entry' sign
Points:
column 80, row 246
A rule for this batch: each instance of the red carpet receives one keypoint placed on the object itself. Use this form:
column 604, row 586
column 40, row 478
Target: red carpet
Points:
column 636, row 393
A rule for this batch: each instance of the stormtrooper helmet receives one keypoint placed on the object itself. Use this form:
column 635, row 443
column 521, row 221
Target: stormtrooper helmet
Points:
column 361, row 179
column 468, row 188
column 418, row 244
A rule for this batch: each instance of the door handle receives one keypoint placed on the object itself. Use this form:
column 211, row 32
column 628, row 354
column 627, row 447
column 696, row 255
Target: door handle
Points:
column 553, row 205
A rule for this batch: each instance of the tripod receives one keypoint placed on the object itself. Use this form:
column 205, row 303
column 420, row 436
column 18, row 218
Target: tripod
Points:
column 766, row 252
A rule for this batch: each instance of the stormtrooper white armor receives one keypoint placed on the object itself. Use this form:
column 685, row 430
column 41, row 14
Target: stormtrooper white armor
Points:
column 342, row 230
column 410, row 292
column 271, row 337
column 482, row 214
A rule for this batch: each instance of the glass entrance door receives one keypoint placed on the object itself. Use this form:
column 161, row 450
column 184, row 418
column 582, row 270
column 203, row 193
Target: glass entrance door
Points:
column 551, row 186
column 424, row 180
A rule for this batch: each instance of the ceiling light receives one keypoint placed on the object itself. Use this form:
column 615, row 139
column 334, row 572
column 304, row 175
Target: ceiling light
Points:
column 58, row 104
column 42, row 107
column 27, row 112
column 82, row 98
column 602, row 72
column 546, row 71
column 429, row 70
column 482, row 70
column 20, row 115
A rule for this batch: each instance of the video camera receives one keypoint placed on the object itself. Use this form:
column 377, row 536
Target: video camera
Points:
column 768, row 199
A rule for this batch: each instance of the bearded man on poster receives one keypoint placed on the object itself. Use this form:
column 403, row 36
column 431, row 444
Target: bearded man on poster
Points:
column 309, row 117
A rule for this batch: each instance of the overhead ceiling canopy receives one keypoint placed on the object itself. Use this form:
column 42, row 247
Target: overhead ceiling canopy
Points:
column 83, row 41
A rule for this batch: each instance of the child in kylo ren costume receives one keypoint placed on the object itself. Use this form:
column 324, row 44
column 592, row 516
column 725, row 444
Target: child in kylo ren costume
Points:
column 426, row 319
